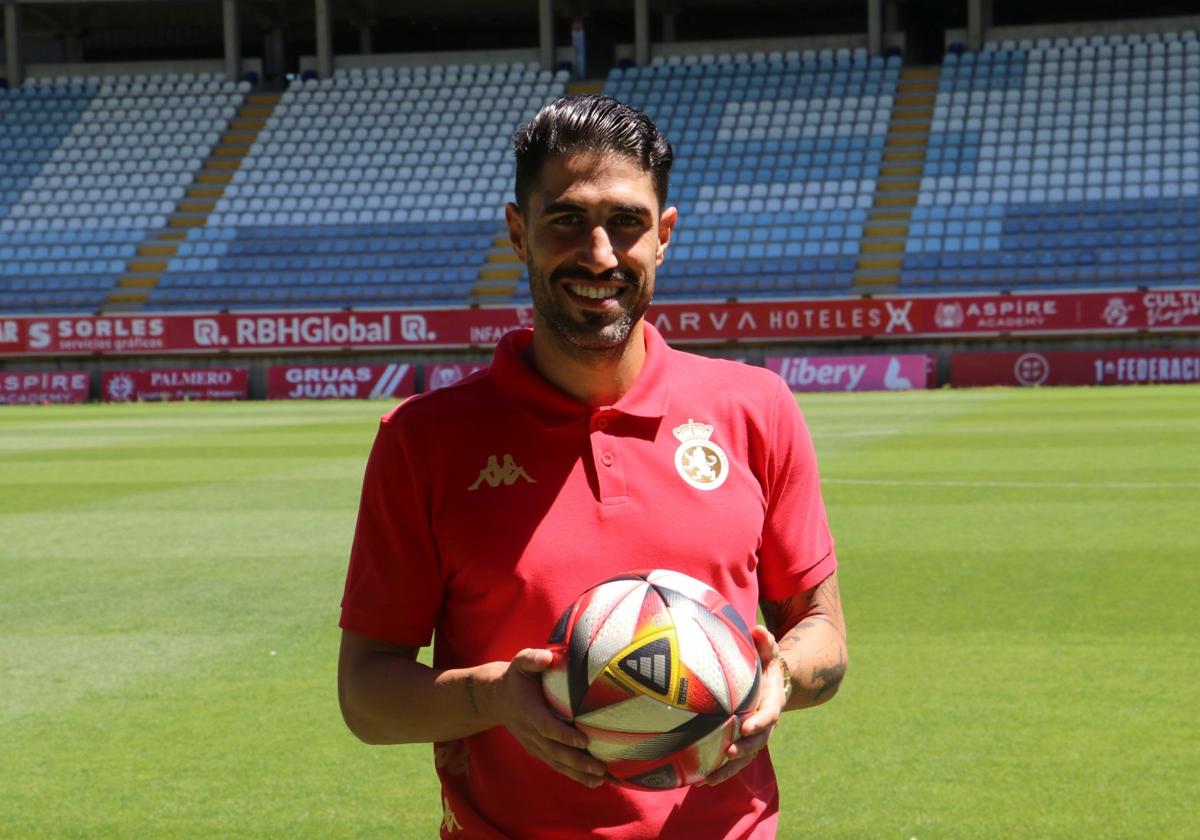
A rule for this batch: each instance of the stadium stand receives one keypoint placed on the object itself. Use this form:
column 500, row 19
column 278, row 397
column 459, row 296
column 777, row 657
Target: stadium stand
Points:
column 88, row 167
column 778, row 159
column 1062, row 162
column 375, row 186
column 1037, row 163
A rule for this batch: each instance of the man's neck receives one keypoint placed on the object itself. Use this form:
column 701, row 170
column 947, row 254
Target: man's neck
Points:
column 592, row 378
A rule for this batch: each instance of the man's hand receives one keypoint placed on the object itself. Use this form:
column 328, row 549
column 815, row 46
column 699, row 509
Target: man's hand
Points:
column 517, row 703
column 759, row 724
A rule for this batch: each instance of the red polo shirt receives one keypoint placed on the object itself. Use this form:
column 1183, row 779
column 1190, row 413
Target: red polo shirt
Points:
column 490, row 505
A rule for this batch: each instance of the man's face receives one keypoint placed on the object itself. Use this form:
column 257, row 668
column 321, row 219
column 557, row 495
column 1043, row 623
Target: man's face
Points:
column 592, row 235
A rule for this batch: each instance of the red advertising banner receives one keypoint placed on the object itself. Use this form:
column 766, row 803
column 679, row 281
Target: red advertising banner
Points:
column 439, row 376
column 175, row 384
column 36, row 386
column 809, row 319
column 1088, row 367
column 853, row 373
column 340, row 382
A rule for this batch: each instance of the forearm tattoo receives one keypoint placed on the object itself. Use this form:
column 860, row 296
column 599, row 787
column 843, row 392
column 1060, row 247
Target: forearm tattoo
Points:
column 471, row 693
column 793, row 621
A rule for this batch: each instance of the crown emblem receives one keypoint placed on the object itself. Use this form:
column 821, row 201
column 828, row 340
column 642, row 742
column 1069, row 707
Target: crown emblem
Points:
column 691, row 430
column 699, row 461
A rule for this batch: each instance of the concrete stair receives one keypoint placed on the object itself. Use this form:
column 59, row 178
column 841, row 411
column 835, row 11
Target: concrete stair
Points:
column 886, row 231
column 577, row 88
column 499, row 275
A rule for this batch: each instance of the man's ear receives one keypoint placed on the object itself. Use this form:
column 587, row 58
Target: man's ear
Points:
column 666, row 224
column 516, row 230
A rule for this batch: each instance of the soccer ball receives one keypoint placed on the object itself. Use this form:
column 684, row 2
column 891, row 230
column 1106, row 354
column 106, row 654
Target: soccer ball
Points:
column 657, row 669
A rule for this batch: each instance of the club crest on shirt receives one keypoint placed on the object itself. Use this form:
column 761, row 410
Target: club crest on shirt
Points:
column 699, row 461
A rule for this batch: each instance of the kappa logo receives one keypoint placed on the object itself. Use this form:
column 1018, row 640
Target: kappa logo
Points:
column 699, row 461
column 497, row 472
column 449, row 821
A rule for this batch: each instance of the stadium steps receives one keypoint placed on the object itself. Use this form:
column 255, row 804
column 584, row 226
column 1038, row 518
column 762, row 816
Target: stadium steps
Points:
column 576, row 88
column 499, row 275
column 226, row 157
column 885, row 235
column 154, row 254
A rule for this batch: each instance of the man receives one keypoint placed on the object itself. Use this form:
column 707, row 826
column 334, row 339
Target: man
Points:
column 489, row 506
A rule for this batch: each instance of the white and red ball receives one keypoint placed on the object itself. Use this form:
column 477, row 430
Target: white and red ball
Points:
column 657, row 669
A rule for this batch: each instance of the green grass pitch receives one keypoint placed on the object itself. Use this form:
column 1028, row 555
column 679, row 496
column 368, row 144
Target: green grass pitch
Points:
column 1020, row 573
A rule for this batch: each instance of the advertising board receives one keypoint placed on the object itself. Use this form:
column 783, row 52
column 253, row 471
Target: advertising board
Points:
column 899, row 372
column 807, row 319
column 162, row 384
column 1088, row 367
column 340, row 382
column 32, row 386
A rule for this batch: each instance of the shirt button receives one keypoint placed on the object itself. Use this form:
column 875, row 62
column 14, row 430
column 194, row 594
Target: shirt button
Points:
column 602, row 423
column 607, row 459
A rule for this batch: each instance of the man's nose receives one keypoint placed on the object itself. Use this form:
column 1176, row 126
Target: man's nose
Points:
column 597, row 251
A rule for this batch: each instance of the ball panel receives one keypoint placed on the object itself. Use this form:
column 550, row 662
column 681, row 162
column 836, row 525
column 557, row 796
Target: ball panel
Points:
column 636, row 714
column 558, row 693
column 710, row 750
column 750, row 701
column 737, row 658
column 558, row 635
column 654, row 615
column 685, row 585
column 698, row 656
column 594, row 607
column 731, row 615
column 661, row 777
column 694, row 695
column 640, row 746
column 616, row 630
column 676, row 770
column 733, row 650
column 606, row 691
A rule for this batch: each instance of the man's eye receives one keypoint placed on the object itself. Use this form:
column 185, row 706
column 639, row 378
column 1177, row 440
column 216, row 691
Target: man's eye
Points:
column 569, row 219
column 628, row 221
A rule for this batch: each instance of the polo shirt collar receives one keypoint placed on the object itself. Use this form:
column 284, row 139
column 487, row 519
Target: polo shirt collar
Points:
column 529, row 390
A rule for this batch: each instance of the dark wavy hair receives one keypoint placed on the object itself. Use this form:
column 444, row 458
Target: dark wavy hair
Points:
column 590, row 123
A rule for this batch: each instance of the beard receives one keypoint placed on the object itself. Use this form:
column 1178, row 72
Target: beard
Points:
column 587, row 333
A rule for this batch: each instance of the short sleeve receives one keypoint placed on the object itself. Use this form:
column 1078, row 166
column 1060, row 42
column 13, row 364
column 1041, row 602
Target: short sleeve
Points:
column 394, row 584
column 797, row 550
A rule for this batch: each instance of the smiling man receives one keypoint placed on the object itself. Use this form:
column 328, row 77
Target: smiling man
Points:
column 488, row 506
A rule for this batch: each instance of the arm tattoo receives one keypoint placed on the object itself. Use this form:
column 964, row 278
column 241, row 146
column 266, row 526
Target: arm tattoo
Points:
column 828, row 678
column 796, row 633
column 471, row 693
column 779, row 615
column 801, row 623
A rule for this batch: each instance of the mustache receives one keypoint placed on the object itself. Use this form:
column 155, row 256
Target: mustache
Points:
column 573, row 272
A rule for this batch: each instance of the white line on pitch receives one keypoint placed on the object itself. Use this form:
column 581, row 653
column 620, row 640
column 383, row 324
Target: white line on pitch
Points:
column 859, row 433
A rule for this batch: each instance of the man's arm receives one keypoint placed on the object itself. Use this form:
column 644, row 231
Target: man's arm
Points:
column 812, row 641
column 387, row 697
column 808, row 633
